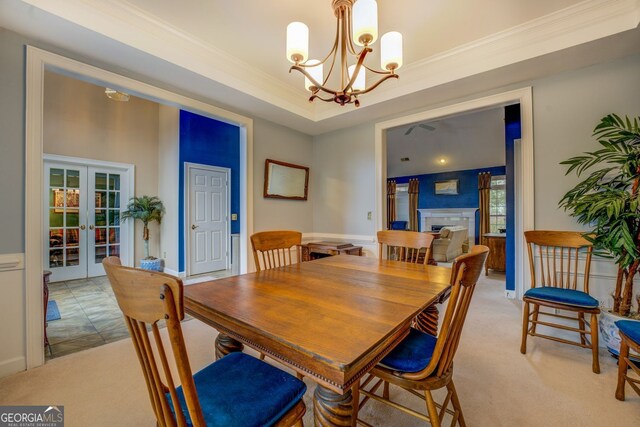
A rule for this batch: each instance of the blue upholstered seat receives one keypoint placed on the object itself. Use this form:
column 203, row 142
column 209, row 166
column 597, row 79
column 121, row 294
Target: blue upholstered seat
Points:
column 630, row 329
column 413, row 354
column 240, row 390
column 562, row 296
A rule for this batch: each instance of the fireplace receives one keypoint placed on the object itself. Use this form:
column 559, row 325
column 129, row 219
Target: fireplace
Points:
column 464, row 217
column 440, row 227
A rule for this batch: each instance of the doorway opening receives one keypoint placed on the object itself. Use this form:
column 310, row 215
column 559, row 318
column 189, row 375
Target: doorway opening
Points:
column 523, row 206
column 39, row 63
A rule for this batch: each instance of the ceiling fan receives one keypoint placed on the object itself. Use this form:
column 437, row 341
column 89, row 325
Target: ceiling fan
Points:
column 421, row 125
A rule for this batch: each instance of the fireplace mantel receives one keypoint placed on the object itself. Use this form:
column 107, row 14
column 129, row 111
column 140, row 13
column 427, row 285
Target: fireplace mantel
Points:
column 465, row 217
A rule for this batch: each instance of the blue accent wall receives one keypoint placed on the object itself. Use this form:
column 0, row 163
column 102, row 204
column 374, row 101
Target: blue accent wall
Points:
column 208, row 142
column 512, row 127
column 467, row 190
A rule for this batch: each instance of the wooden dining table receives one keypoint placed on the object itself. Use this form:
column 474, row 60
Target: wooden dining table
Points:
column 331, row 320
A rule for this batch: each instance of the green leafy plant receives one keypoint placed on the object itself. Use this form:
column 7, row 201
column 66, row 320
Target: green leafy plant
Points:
column 607, row 200
column 146, row 209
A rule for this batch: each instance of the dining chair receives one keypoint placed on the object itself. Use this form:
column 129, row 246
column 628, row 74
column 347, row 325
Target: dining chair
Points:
column 408, row 246
column 272, row 249
column 630, row 338
column 560, row 280
column 236, row 390
column 424, row 362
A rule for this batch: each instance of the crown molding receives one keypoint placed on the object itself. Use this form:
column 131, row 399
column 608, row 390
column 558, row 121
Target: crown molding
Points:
column 120, row 20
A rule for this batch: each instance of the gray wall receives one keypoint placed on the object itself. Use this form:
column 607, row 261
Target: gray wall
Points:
column 344, row 183
column 567, row 107
column 277, row 142
column 12, row 178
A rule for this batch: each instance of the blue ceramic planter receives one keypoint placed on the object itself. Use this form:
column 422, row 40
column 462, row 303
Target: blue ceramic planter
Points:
column 151, row 264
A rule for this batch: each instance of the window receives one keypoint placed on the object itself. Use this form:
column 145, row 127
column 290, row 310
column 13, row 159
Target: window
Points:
column 402, row 202
column 498, row 204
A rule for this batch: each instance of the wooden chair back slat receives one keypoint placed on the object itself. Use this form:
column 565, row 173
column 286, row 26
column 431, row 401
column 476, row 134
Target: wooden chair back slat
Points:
column 465, row 272
column 559, row 259
column 272, row 249
column 145, row 298
column 407, row 246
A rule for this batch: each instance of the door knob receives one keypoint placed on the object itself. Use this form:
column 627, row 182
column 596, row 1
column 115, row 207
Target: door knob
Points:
column 91, row 227
column 82, row 227
column 193, row 226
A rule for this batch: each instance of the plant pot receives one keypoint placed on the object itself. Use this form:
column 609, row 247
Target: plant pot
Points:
column 151, row 264
column 609, row 334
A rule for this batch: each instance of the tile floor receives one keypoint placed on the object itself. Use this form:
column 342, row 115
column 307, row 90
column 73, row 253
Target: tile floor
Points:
column 90, row 316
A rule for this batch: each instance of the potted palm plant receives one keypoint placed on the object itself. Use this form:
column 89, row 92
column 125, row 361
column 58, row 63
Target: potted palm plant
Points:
column 608, row 201
column 145, row 209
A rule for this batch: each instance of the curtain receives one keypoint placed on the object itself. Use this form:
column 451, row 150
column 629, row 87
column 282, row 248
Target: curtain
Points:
column 414, row 186
column 484, row 189
column 391, row 202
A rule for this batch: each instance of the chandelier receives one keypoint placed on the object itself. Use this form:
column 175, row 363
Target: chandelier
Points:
column 357, row 24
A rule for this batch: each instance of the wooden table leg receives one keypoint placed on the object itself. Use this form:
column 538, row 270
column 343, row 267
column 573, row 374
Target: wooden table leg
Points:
column 225, row 345
column 333, row 409
column 427, row 320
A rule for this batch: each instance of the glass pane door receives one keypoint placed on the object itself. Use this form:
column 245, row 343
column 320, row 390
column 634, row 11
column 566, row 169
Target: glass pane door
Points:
column 106, row 239
column 65, row 225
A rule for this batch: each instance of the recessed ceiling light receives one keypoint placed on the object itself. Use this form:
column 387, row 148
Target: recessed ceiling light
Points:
column 442, row 161
column 116, row 95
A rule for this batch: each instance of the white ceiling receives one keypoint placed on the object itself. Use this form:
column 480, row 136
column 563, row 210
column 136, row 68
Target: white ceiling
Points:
column 232, row 52
column 468, row 141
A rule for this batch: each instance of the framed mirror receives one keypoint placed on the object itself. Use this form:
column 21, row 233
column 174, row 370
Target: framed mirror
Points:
column 285, row 180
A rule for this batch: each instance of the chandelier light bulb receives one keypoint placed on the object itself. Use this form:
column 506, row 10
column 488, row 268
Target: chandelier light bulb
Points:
column 360, row 82
column 316, row 72
column 365, row 22
column 391, row 50
column 297, row 42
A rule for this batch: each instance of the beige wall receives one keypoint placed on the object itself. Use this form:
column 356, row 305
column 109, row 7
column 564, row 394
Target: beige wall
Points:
column 80, row 121
column 168, row 183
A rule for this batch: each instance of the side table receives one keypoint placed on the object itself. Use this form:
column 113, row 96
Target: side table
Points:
column 315, row 250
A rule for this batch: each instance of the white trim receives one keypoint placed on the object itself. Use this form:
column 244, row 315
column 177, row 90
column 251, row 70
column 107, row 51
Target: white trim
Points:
column 120, row 20
column 37, row 61
column 130, row 169
column 9, row 262
column 510, row 294
column 187, row 234
column 11, row 366
column 524, row 184
column 172, row 272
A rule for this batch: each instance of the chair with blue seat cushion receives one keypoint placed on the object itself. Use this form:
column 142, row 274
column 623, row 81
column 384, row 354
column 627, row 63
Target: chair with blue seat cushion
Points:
column 236, row 390
column 423, row 362
column 559, row 263
column 629, row 339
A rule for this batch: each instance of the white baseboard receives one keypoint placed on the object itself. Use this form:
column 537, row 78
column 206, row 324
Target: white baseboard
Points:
column 172, row 272
column 12, row 366
column 510, row 294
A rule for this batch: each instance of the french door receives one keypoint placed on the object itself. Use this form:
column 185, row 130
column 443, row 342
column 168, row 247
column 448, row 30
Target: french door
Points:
column 82, row 219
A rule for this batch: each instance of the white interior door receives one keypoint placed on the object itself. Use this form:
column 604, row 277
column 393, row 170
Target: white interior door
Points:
column 107, row 193
column 208, row 222
column 65, row 239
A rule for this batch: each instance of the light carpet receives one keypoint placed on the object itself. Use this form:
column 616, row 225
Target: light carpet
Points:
column 550, row 386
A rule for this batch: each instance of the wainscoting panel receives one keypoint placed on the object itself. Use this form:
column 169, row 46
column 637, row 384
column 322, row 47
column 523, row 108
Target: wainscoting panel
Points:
column 12, row 328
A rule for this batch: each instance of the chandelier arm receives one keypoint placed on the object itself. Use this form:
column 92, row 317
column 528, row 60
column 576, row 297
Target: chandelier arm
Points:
column 373, row 70
column 375, row 85
column 356, row 70
column 314, row 81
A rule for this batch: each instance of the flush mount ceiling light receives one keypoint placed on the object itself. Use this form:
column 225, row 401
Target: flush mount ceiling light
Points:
column 357, row 24
column 116, row 95
column 442, row 161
